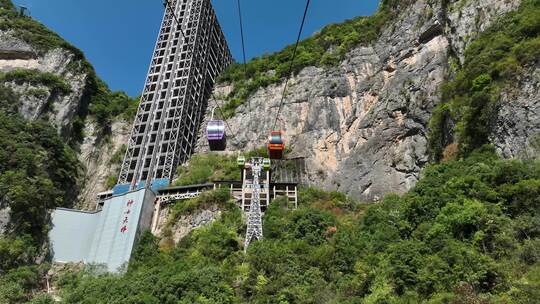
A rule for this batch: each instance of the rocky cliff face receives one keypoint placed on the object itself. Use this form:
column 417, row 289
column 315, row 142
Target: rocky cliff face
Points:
column 185, row 224
column 465, row 19
column 39, row 100
column 61, row 109
column 516, row 133
column 96, row 154
column 362, row 125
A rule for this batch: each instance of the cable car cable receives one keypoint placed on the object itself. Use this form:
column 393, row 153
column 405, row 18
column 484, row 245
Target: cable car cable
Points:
column 241, row 23
column 243, row 53
column 242, row 36
column 168, row 6
column 222, row 114
column 292, row 63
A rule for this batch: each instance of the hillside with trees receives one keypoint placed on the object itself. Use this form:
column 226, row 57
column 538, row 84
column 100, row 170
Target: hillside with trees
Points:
column 467, row 232
column 38, row 171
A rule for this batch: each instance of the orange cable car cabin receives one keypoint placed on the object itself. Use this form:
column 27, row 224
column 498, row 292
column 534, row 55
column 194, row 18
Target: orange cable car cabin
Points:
column 276, row 145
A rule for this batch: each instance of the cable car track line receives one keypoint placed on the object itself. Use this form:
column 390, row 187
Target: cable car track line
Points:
column 233, row 135
column 168, row 6
column 243, row 51
column 242, row 36
column 292, row 63
column 222, row 115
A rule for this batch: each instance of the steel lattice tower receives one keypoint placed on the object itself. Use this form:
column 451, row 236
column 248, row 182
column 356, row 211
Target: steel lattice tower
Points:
column 254, row 225
column 179, row 83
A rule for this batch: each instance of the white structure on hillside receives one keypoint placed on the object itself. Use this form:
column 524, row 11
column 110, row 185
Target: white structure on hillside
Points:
column 104, row 237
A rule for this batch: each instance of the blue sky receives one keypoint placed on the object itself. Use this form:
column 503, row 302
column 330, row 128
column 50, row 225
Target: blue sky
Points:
column 118, row 36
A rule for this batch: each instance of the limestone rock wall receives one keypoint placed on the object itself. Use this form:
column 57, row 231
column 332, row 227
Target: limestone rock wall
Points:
column 96, row 153
column 362, row 125
column 516, row 133
column 39, row 101
column 183, row 226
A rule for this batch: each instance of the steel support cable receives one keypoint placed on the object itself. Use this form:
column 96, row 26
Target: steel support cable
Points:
column 222, row 114
column 243, row 44
column 291, row 64
column 242, row 36
column 168, row 6
column 245, row 67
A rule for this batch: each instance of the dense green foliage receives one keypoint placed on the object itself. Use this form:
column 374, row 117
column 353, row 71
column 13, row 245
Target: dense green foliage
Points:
column 492, row 63
column 16, row 283
column 106, row 105
column 6, row 4
column 219, row 198
column 325, row 48
column 32, row 32
column 468, row 232
column 207, row 199
column 35, row 77
column 203, row 168
column 37, row 172
column 8, row 100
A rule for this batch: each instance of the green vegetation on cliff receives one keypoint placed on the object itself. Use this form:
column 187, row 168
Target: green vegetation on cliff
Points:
column 204, row 168
column 6, row 5
column 326, row 48
column 467, row 232
column 492, row 63
column 35, row 77
column 106, row 105
column 32, row 31
column 37, row 172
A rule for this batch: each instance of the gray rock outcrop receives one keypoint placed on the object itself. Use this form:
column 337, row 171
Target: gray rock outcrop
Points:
column 40, row 101
column 4, row 219
column 96, row 155
column 12, row 49
column 516, row 133
column 186, row 223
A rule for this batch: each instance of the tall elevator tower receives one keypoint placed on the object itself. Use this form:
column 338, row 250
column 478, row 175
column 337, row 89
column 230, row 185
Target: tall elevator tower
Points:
column 190, row 52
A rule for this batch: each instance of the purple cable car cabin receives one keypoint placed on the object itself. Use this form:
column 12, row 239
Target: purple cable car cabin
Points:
column 215, row 132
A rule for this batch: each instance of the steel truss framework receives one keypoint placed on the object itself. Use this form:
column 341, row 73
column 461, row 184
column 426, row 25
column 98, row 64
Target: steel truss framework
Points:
column 179, row 82
column 254, row 221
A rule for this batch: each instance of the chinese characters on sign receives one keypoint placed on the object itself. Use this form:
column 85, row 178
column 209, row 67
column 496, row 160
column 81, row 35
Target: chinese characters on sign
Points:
column 124, row 224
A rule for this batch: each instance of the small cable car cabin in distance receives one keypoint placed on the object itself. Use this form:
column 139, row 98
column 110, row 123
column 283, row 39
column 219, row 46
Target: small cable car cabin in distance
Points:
column 266, row 164
column 215, row 133
column 241, row 161
column 276, row 145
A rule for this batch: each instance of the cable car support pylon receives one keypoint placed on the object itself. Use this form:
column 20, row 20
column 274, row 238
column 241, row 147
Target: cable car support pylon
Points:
column 254, row 224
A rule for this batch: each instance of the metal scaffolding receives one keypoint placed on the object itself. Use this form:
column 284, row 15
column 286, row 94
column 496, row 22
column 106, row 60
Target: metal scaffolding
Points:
column 190, row 52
